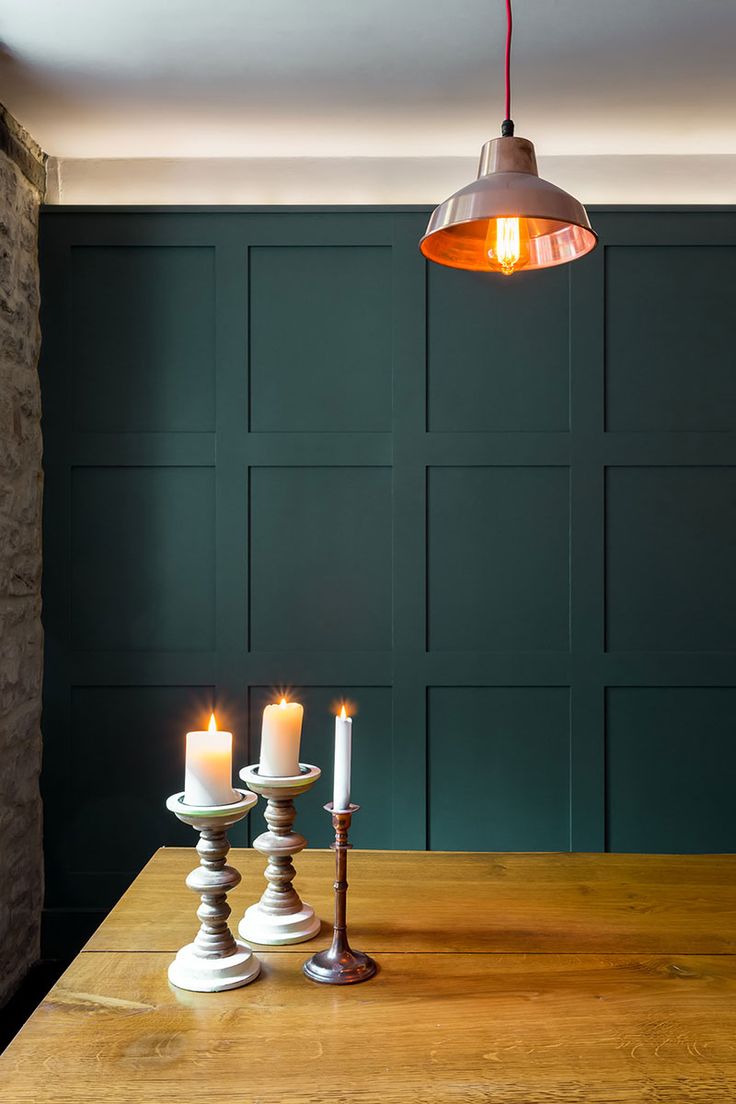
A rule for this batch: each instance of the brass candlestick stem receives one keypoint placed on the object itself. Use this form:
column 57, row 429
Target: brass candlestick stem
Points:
column 340, row 964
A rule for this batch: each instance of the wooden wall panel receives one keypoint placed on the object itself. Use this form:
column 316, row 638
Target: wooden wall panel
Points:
column 671, row 760
column 498, row 559
column 143, row 559
column 141, row 335
column 496, row 753
column 668, row 365
column 320, row 559
column 500, row 362
column 282, row 452
column 671, row 563
column 320, row 339
column 123, row 744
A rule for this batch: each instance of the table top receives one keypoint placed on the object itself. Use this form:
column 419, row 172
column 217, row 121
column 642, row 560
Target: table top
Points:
column 516, row 979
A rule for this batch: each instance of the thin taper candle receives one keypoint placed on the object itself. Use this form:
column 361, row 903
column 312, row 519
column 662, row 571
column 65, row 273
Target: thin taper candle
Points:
column 343, row 741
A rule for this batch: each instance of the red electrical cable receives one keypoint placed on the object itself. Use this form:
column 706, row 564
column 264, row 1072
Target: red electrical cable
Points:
column 508, row 58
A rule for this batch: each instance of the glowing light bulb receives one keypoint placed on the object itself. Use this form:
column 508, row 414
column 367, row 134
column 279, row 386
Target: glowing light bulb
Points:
column 507, row 244
column 212, row 726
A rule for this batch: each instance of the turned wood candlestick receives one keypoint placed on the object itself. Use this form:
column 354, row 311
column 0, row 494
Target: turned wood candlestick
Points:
column 216, row 960
column 340, row 964
column 280, row 917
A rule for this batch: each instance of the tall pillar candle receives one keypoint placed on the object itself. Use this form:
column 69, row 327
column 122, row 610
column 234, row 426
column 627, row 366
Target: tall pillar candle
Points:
column 208, row 778
column 343, row 741
column 281, row 736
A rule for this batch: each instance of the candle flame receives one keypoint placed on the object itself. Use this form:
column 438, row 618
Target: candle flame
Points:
column 343, row 708
column 212, row 726
column 282, row 703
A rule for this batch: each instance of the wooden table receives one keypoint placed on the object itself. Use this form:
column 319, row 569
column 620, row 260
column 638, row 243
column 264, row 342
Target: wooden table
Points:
column 508, row 979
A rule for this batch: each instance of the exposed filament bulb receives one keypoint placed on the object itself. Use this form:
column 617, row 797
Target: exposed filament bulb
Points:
column 507, row 244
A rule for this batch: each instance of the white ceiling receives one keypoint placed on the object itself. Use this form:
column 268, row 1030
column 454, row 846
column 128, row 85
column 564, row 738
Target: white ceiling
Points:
column 371, row 78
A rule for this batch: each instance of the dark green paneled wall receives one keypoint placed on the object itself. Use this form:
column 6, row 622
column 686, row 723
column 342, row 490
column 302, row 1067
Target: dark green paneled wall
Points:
column 500, row 515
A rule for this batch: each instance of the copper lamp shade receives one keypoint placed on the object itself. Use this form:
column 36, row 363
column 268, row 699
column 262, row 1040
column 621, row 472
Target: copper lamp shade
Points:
column 547, row 225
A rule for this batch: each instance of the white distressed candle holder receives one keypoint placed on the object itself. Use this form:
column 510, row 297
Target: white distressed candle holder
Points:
column 280, row 917
column 216, row 960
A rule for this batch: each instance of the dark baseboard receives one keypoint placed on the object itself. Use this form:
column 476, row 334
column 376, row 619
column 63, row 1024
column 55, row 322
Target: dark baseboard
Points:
column 29, row 994
column 63, row 934
column 65, row 931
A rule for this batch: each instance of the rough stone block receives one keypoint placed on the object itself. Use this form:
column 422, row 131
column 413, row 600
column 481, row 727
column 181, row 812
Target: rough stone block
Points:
column 21, row 637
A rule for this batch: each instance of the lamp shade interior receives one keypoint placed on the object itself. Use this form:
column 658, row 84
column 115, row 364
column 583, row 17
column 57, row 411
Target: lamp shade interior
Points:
column 544, row 242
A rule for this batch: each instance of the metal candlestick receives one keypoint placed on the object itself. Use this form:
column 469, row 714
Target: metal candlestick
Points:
column 280, row 917
column 215, row 961
column 340, row 964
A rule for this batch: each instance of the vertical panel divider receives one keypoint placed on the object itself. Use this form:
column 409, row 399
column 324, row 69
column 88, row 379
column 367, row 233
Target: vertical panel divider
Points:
column 587, row 554
column 410, row 827
column 231, row 490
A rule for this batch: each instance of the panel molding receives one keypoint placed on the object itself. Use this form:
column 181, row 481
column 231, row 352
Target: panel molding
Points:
column 406, row 665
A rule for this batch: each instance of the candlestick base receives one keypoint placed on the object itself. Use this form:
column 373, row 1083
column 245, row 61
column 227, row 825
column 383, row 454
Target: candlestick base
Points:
column 258, row 926
column 340, row 967
column 213, row 975
column 280, row 918
column 340, row 964
column 215, row 961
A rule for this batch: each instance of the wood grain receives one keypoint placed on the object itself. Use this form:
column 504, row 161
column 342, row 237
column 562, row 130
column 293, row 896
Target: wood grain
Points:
column 512, row 979
column 454, row 901
column 432, row 1029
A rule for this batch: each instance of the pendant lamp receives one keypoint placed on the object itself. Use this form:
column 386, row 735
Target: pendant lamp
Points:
column 509, row 218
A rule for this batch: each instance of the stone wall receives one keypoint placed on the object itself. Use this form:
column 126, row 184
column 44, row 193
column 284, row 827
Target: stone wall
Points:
column 21, row 639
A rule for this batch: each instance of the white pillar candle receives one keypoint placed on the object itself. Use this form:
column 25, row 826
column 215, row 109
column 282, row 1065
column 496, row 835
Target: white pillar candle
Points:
column 281, row 735
column 343, row 740
column 208, row 779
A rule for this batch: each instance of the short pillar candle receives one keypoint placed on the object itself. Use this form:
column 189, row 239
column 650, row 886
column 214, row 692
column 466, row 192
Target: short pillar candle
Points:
column 208, row 776
column 281, row 735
